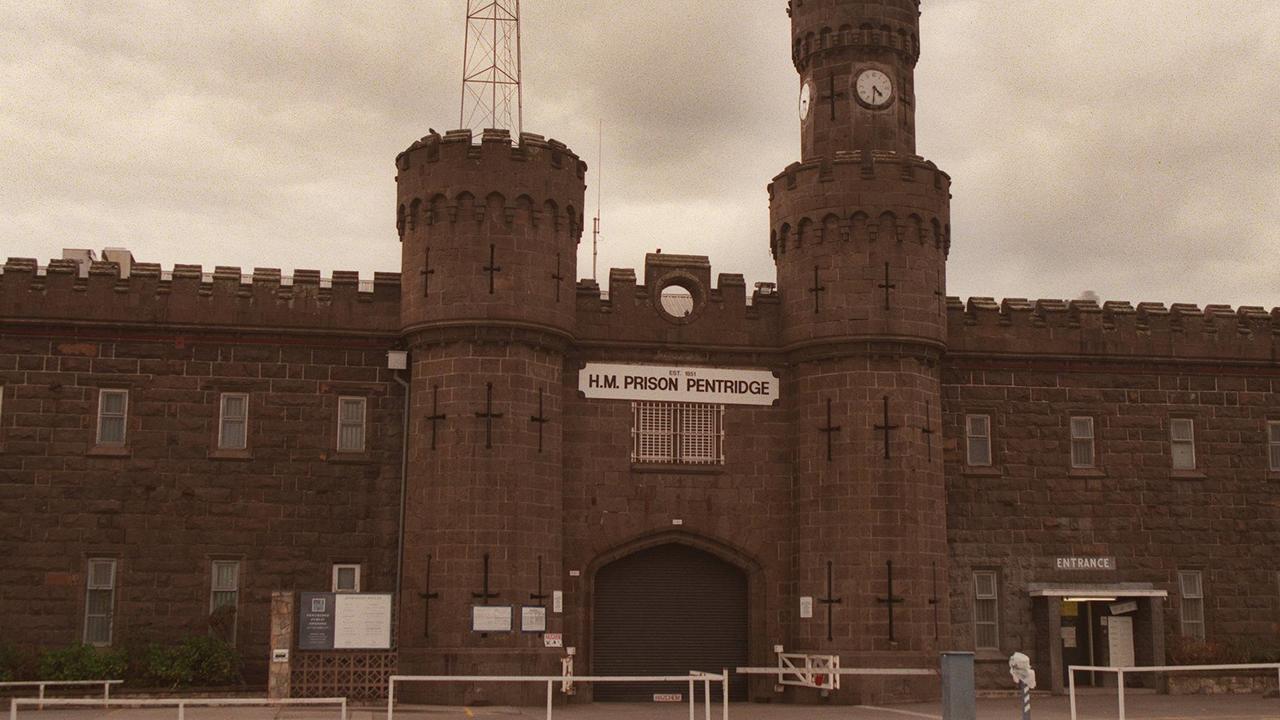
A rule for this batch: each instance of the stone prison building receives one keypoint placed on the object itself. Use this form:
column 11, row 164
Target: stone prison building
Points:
column 848, row 462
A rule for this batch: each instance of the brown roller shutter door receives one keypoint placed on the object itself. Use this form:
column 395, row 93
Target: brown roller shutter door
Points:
column 666, row 611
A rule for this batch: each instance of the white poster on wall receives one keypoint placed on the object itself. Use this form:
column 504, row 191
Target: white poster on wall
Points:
column 491, row 618
column 726, row 386
column 361, row 621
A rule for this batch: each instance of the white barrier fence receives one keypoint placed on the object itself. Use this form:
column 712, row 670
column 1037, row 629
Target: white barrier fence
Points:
column 42, row 684
column 692, row 678
column 821, row 675
column 1120, row 672
column 181, row 703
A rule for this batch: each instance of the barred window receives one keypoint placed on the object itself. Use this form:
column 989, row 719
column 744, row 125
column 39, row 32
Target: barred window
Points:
column 1273, row 444
column 978, row 440
column 113, row 410
column 351, row 411
column 1182, row 443
column 1082, row 453
column 233, row 421
column 99, row 601
column 986, row 611
column 225, row 591
column 1192, row 590
column 688, row 433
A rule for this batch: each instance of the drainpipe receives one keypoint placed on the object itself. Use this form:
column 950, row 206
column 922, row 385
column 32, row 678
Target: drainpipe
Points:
column 404, row 481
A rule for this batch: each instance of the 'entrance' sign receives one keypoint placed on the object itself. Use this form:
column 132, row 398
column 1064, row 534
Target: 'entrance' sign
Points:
column 678, row 384
column 1085, row 563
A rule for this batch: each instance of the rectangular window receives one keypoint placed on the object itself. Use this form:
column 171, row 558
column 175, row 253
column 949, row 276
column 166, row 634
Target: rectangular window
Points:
column 225, row 593
column 113, row 409
column 346, row 578
column 99, row 601
column 977, row 429
column 1182, row 443
column 1273, row 445
column 233, row 421
column 351, row 424
column 1189, row 584
column 986, row 611
column 688, row 433
column 1082, row 442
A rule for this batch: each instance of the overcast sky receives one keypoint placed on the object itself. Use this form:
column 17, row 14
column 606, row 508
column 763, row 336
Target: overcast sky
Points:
column 1126, row 147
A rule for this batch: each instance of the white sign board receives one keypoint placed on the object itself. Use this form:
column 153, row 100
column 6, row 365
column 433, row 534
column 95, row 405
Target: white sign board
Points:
column 724, row 386
column 1124, row 607
column 553, row 640
column 491, row 618
column 1120, row 642
column 361, row 621
column 557, row 601
column 533, row 618
column 668, row 697
column 806, row 607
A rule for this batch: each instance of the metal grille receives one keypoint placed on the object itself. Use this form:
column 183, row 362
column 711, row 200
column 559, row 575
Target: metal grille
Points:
column 978, row 433
column 351, row 424
column 1189, row 582
column 1081, row 442
column 113, row 408
column 1273, row 442
column 688, row 433
column 986, row 610
column 232, row 430
column 357, row 674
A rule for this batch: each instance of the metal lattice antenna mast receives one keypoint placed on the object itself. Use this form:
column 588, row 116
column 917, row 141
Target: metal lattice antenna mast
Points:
column 491, row 93
column 595, row 232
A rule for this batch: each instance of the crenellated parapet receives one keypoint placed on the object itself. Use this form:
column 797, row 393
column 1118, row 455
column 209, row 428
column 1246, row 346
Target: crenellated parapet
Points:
column 705, row 316
column 1114, row 330
column 188, row 296
column 451, row 179
column 823, row 26
column 823, row 201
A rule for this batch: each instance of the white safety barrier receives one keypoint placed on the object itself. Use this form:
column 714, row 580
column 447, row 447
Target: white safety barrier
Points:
column 181, row 703
column 1120, row 672
column 821, row 674
column 694, row 677
column 42, row 684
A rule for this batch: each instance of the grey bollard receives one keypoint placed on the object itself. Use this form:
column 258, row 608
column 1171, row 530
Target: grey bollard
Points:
column 959, row 702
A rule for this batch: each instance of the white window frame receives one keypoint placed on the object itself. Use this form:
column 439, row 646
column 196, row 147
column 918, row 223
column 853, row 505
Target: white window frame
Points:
column 222, row 420
column 337, row 568
column 363, row 425
column 1179, row 439
column 1191, row 603
column 971, row 437
column 1081, row 439
column 90, row 587
column 1273, row 445
column 994, row 599
column 233, row 589
column 663, row 433
column 103, row 416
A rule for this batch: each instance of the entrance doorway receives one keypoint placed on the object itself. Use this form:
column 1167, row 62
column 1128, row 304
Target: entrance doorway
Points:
column 1099, row 633
column 667, row 610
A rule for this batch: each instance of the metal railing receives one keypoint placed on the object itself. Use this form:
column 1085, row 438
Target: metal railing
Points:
column 1120, row 672
column 692, row 678
column 180, row 703
column 42, row 684
column 825, row 677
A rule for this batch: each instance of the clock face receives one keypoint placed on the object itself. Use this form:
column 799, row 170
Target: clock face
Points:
column 806, row 100
column 874, row 88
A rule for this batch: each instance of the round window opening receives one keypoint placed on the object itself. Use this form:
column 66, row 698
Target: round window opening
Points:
column 677, row 301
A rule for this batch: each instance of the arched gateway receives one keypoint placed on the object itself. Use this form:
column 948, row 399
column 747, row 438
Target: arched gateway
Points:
column 667, row 610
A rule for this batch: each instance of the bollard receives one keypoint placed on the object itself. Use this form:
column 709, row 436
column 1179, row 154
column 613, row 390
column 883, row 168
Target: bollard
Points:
column 1025, row 692
column 959, row 701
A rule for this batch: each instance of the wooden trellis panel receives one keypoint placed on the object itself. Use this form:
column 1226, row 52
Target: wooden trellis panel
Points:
column 355, row 674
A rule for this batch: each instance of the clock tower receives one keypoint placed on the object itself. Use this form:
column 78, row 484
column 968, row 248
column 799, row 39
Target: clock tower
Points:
column 860, row 231
column 856, row 62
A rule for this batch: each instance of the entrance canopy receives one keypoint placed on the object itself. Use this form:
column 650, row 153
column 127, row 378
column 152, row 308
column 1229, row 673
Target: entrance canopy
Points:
column 1095, row 591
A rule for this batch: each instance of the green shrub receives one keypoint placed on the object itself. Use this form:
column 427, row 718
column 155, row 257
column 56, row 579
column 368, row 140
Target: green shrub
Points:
column 197, row 661
column 83, row 662
column 8, row 663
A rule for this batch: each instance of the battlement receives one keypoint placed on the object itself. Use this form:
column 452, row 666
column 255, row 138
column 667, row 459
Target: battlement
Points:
column 719, row 315
column 1116, row 329
column 920, row 193
column 495, row 144
column 187, row 295
column 451, row 179
column 820, row 26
